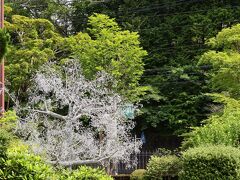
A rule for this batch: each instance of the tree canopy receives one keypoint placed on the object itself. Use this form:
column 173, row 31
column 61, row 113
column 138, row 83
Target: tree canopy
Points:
column 104, row 47
column 225, row 60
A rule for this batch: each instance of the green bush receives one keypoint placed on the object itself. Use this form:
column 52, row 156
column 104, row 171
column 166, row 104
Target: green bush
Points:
column 85, row 173
column 222, row 128
column 211, row 162
column 8, row 120
column 20, row 164
column 4, row 142
column 138, row 174
column 16, row 160
column 5, row 138
column 159, row 167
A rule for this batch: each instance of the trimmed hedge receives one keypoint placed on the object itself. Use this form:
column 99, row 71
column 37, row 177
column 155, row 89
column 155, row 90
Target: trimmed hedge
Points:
column 211, row 162
column 138, row 174
column 165, row 166
column 85, row 173
column 21, row 164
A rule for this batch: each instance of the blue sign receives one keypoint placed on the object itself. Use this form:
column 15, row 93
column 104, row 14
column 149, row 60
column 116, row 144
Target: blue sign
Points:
column 128, row 111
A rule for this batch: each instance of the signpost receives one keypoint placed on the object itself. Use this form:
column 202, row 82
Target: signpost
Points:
column 2, row 61
column 128, row 111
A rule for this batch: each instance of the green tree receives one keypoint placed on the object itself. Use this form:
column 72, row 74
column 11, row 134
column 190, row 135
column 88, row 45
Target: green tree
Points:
column 56, row 11
column 222, row 127
column 106, row 47
column 33, row 42
column 117, row 52
column 225, row 61
column 174, row 34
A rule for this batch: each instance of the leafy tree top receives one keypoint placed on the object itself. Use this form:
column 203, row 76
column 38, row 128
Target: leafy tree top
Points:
column 225, row 61
column 106, row 47
column 113, row 50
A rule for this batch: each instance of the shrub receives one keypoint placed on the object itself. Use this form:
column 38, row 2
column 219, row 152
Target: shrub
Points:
column 4, row 142
column 7, row 122
column 21, row 164
column 222, row 128
column 138, row 174
column 85, row 173
column 211, row 162
column 159, row 167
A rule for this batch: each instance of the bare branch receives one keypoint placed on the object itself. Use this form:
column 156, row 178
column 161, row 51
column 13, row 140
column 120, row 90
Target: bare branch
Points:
column 49, row 113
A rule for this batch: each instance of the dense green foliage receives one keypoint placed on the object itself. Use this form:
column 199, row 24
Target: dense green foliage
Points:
column 105, row 47
column 220, row 128
column 174, row 34
column 225, row 61
column 85, row 173
column 33, row 42
column 4, row 40
column 20, row 164
column 211, row 162
column 7, row 122
column 4, row 142
column 55, row 11
column 165, row 166
column 215, row 155
column 138, row 174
